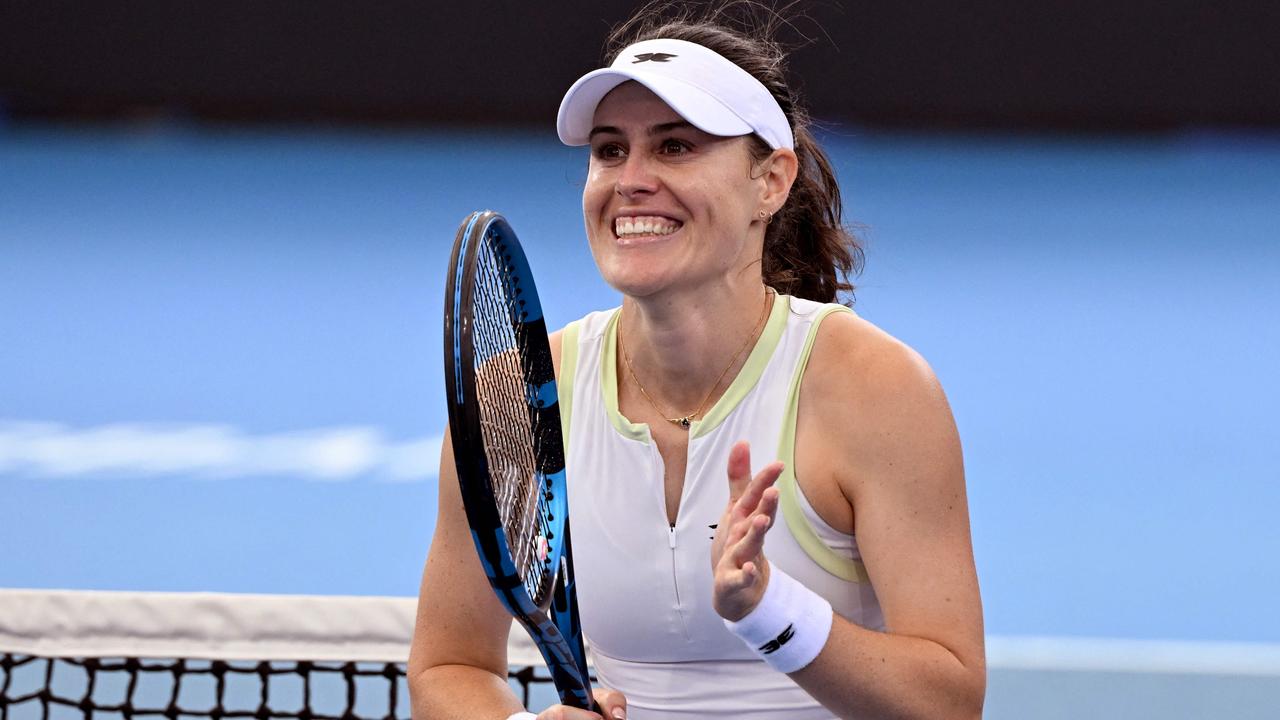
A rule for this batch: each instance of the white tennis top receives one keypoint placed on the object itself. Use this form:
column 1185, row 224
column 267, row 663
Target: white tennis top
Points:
column 644, row 587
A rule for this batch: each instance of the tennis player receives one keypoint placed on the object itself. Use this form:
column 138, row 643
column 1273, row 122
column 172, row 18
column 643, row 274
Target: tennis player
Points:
column 766, row 491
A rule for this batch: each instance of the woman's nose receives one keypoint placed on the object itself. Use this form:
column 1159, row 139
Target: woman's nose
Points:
column 637, row 176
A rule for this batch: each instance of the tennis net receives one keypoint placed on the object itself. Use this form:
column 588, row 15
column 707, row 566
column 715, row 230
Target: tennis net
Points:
column 77, row 654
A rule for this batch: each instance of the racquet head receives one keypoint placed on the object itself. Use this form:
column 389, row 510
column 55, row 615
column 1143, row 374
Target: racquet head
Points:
column 505, row 424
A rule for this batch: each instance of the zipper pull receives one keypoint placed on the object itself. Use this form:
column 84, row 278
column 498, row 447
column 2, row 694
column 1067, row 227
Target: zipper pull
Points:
column 671, row 536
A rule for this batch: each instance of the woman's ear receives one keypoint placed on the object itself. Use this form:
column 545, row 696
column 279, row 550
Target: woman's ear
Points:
column 778, row 171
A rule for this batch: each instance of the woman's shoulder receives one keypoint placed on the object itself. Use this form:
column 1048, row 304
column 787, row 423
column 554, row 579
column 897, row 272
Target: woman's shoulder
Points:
column 856, row 370
column 877, row 408
column 593, row 324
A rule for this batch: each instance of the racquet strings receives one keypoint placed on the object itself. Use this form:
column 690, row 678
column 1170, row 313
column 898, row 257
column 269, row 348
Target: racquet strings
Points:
column 509, row 426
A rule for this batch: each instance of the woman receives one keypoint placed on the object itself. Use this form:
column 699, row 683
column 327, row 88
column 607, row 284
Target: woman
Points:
column 840, row 577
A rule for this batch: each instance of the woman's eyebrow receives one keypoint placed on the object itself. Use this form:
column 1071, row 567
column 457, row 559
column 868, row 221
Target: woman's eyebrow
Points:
column 603, row 129
column 658, row 129
column 668, row 127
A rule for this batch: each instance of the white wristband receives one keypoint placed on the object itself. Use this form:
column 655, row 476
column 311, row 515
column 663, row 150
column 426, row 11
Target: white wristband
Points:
column 789, row 626
column 523, row 715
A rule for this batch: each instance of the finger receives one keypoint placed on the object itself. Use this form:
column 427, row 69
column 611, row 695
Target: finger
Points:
column 739, row 469
column 564, row 712
column 735, row 525
column 735, row 581
column 768, row 506
column 612, row 704
column 765, row 479
column 751, row 544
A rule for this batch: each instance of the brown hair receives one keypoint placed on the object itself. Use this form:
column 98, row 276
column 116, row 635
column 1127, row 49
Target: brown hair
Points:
column 808, row 252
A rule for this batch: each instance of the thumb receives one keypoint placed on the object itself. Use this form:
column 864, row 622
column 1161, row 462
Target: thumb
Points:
column 739, row 469
column 613, row 704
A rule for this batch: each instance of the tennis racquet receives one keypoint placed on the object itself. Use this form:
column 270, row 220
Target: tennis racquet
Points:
column 504, row 417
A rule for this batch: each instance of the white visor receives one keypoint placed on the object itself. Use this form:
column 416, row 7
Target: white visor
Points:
column 713, row 94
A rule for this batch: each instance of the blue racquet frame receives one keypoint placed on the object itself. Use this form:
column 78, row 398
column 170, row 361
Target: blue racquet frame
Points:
column 553, row 624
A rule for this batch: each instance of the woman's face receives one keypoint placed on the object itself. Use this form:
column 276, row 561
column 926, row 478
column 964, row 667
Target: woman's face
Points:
column 667, row 205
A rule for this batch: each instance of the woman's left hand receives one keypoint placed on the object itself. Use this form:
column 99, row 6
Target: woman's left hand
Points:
column 740, row 569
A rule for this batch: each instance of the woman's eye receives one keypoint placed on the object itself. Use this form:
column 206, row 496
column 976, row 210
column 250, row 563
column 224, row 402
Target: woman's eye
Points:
column 610, row 151
column 674, row 147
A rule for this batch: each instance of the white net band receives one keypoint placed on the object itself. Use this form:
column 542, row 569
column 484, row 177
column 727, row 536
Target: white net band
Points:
column 217, row 626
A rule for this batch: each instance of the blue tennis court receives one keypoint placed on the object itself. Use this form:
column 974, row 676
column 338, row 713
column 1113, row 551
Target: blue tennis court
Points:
column 221, row 365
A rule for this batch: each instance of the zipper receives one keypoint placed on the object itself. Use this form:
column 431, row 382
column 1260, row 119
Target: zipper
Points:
column 675, row 581
column 671, row 539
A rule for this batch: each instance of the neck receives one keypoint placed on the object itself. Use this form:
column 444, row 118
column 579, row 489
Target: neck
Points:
column 685, row 351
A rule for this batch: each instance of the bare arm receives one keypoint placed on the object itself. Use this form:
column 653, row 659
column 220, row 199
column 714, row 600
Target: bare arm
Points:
column 458, row 660
column 876, row 427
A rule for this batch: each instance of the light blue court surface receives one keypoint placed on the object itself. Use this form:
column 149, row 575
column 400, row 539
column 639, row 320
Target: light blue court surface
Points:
column 221, row 364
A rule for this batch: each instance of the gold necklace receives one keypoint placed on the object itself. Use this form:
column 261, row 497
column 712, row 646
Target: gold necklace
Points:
column 686, row 420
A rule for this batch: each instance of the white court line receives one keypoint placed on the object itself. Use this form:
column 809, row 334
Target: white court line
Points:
column 139, row 450
column 1136, row 656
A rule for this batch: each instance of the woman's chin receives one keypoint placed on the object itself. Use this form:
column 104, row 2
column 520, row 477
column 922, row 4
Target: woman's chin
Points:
column 634, row 284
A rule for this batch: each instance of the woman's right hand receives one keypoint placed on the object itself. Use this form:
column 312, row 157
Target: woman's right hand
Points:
column 612, row 704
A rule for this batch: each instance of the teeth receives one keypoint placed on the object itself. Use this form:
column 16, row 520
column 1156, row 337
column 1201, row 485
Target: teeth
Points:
column 644, row 226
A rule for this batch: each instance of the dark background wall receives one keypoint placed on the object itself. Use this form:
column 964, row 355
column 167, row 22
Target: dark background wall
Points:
column 1061, row 64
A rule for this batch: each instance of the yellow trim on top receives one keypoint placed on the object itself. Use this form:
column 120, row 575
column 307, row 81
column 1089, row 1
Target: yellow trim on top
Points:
column 751, row 370
column 842, row 567
column 568, row 369
column 609, row 385
column 742, row 384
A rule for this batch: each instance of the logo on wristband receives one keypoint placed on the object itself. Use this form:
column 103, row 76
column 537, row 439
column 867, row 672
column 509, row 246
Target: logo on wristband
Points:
column 779, row 641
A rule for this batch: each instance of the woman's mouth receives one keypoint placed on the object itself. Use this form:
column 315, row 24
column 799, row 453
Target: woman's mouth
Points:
column 637, row 226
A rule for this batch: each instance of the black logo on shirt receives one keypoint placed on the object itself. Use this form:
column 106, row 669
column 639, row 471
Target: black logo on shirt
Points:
column 654, row 57
column 779, row 641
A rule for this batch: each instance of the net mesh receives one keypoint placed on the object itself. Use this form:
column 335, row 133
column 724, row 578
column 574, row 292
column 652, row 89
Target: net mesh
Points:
column 120, row 655
column 34, row 687
column 509, row 426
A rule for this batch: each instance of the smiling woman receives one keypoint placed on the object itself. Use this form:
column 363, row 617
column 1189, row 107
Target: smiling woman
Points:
column 665, row 202
column 829, row 572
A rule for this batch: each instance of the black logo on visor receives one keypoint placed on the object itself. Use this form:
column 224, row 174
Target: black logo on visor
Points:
column 655, row 57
